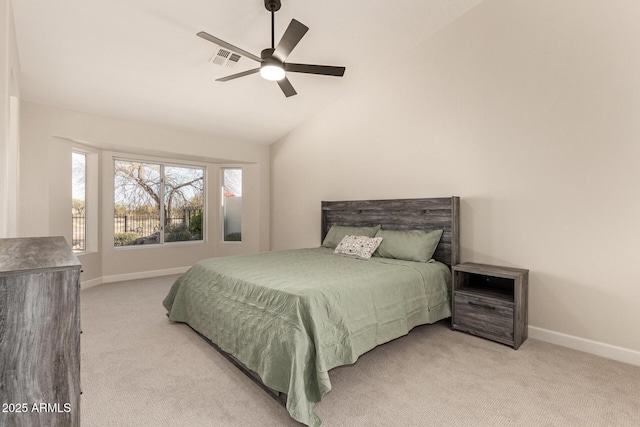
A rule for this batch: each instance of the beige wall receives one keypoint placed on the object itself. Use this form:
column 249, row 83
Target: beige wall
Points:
column 528, row 110
column 9, row 121
column 48, row 136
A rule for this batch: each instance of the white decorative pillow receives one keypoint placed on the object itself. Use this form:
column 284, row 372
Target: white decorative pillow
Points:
column 360, row 246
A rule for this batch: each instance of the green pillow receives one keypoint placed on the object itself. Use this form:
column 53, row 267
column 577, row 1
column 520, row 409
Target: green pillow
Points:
column 410, row 245
column 337, row 232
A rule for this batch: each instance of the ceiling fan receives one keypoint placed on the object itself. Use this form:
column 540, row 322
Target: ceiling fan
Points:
column 272, row 60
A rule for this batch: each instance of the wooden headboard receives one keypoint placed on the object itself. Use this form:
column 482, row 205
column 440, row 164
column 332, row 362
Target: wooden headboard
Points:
column 402, row 214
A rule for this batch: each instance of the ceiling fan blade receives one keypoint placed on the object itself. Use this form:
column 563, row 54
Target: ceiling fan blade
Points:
column 325, row 70
column 286, row 87
column 295, row 31
column 229, row 46
column 235, row 76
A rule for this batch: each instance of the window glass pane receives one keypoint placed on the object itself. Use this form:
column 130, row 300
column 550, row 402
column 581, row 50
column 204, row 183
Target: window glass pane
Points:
column 137, row 202
column 78, row 185
column 183, row 203
column 232, row 204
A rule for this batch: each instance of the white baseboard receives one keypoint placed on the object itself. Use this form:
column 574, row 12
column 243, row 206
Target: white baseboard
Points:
column 588, row 346
column 132, row 276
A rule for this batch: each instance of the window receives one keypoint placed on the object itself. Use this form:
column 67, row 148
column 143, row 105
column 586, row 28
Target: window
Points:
column 84, row 200
column 156, row 203
column 78, row 201
column 232, row 204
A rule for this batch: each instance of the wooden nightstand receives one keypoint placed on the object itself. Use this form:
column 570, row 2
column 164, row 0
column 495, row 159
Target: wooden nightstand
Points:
column 491, row 302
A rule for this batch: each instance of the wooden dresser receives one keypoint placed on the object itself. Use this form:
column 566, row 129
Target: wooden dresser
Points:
column 39, row 333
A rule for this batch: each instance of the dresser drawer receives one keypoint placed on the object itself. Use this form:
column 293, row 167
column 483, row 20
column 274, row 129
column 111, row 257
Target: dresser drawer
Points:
column 485, row 317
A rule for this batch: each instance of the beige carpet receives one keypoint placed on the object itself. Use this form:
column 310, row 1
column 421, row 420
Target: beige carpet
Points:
column 138, row 369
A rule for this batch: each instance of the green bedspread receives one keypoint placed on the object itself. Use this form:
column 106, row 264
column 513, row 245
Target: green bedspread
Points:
column 291, row 316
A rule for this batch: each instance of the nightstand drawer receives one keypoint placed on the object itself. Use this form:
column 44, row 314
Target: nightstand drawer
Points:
column 485, row 317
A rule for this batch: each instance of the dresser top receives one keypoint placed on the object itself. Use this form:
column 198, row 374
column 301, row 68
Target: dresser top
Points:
column 36, row 253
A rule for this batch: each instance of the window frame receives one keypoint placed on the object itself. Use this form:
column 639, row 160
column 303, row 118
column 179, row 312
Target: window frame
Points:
column 85, row 246
column 222, row 205
column 93, row 202
column 162, row 163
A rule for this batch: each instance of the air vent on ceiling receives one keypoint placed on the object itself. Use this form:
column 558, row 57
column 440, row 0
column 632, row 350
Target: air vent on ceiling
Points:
column 225, row 58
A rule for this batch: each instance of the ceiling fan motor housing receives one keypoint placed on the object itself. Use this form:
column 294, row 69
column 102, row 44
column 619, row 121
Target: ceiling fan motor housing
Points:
column 269, row 60
column 266, row 53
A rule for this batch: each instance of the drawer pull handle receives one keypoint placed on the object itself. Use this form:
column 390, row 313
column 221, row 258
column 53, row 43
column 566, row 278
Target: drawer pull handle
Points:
column 489, row 307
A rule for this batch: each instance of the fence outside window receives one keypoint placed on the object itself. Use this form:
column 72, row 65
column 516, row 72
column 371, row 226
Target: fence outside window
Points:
column 144, row 226
column 79, row 226
column 132, row 229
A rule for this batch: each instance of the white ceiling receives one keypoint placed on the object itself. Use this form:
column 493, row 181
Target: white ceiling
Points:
column 141, row 60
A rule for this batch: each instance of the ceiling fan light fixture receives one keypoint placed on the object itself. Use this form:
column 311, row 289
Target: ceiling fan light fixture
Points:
column 272, row 72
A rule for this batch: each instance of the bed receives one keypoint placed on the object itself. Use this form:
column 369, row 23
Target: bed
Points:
column 288, row 317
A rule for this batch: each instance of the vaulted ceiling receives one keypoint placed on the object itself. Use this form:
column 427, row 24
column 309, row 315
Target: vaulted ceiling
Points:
column 141, row 60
